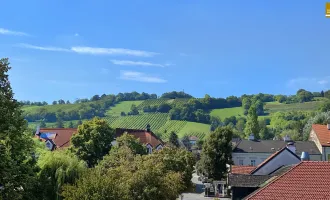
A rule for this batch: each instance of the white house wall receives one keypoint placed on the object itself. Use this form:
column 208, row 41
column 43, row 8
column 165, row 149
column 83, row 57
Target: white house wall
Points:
column 284, row 158
column 247, row 157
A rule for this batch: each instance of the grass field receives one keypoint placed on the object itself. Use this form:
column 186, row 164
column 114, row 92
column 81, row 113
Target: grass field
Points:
column 272, row 107
column 227, row 112
column 124, row 106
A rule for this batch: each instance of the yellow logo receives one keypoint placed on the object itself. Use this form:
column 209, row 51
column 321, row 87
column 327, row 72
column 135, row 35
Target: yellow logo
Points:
column 327, row 9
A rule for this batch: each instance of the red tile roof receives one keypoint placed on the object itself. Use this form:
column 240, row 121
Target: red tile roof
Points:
column 322, row 133
column 63, row 135
column 144, row 136
column 238, row 169
column 306, row 180
column 272, row 157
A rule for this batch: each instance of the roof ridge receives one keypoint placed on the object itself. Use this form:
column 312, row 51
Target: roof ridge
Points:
column 260, row 189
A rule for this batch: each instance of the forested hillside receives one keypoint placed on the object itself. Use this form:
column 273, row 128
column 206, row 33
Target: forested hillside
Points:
column 179, row 112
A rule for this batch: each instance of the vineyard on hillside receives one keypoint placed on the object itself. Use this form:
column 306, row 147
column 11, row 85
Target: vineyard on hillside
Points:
column 171, row 125
column 152, row 102
column 156, row 120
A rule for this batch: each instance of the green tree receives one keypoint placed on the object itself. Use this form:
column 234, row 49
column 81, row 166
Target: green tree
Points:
column 56, row 169
column 125, row 176
column 92, row 140
column 185, row 140
column 216, row 154
column 325, row 106
column 59, row 123
column 42, row 124
column 246, row 104
column 132, row 143
column 134, row 110
column 16, row 146
column 71, row 125
column 173, row 140
column 322, row 93
column 252, row 125
column 304, row 96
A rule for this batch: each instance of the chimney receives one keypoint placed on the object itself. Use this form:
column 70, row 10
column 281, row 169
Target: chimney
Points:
column 328, row 126
column 291, row 147
column 287, row 138
column 304, row 156
column 251, row 137
column 148, row 128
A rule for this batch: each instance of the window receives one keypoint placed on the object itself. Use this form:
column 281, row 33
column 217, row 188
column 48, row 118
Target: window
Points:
column 253, row 162
column 149, row 148
column 240, row 162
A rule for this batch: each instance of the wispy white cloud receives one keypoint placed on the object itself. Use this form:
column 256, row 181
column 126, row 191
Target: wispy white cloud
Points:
column 136, row 63
column 311, row 83
column 93, row 50
column 44, row 48
column 10, row 32
column 112, row 51
column 141, row 77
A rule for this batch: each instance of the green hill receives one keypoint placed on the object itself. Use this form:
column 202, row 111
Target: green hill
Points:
column 124, row 106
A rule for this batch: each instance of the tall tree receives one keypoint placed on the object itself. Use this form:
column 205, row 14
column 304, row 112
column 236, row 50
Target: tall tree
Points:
column 56, row 169
column 131, row 142
column 59, row 123
column 216, row 154
column 173, row 140
column 252, row 124
column 92, row 140
column 16, row 145
column 322, row 93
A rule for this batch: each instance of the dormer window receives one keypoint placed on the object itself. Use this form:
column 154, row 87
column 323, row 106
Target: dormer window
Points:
column 149, row 148
column 159, row 147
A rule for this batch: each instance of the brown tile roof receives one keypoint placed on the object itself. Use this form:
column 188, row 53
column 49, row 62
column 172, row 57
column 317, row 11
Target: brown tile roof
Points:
column 322, row 133
column 144, row 136
column 306, row 180
column 271, row 157
column 238, row 169
column 62, row 137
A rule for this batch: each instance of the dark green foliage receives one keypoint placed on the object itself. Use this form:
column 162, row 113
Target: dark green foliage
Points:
column 327, row 94
column 175, row 95
column 17, row 166
column 134, row 110
column 216, row 154
column 252, row 125
column 174, row 140
column 132, row 143
column 304, row 96
column 325, row 106
column 92, row 141
column 319, row 118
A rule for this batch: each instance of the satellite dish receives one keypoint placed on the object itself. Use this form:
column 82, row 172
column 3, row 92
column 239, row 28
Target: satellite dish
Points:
column 38, row 130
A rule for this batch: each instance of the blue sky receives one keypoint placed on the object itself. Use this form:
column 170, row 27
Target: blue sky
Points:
column 74, row 49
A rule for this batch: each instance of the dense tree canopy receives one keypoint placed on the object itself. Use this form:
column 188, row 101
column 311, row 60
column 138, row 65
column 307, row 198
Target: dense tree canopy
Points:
column 216, row 154
column 16, row 146
column 123, row 175
column 92, row 141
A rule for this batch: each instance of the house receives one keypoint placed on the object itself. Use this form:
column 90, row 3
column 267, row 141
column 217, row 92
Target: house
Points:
column 253, row 152
column 55, row 138
column 146, row 137
column 242, row 185
column 306, row 180
column 244, row 180
column 283, row 157
column 320, row 134
column 193, row 140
